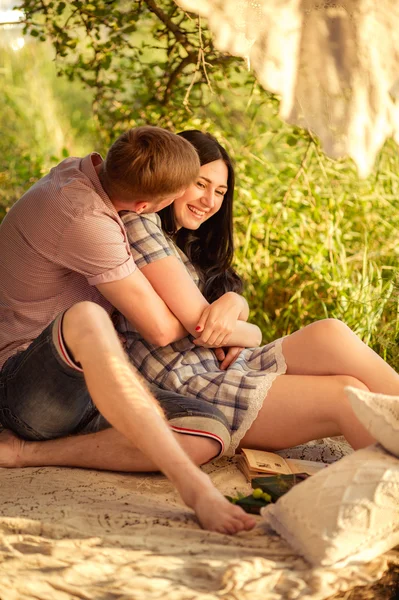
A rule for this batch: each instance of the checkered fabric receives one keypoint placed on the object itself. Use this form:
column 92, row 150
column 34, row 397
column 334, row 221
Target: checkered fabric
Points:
column 182, row 367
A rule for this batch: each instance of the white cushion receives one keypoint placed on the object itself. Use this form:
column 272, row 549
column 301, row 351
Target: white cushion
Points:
column 379, row 414
column 348, row 512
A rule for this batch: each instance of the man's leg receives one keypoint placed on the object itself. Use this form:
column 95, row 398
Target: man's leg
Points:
column 201, row 429
column 106, row 450
column 87, row 338
column 127, row 404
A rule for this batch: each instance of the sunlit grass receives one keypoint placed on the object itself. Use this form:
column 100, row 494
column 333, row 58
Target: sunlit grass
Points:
column 314, row 241
column 42, row 119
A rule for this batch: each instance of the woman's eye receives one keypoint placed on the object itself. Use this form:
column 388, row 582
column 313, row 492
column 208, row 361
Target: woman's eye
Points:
column 200, row 184
column 221, row 192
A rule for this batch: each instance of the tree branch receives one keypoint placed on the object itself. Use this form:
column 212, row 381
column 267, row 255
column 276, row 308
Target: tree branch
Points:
column 189, row 59
column 162, row 16
column 14, row 22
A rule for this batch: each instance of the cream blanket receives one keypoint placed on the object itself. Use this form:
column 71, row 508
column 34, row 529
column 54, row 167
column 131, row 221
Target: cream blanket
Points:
column 72, row 533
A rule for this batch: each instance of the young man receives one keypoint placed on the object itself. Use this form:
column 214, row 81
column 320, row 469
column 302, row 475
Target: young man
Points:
column 64, row 264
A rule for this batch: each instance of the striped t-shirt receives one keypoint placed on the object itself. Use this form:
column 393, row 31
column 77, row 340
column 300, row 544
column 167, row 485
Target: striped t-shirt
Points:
column 60, row 240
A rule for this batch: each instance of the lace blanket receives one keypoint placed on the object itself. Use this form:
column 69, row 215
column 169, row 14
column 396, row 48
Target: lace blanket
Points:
column 71, row 533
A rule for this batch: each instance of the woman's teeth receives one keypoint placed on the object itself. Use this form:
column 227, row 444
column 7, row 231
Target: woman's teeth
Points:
column 198, row 213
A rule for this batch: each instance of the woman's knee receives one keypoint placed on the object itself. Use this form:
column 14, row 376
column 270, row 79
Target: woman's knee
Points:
column 347, row 380
column 330, row 329
column 325, row 335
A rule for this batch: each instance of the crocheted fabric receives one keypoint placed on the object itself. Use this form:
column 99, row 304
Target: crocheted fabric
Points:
column 379, row 414
column 346, row 513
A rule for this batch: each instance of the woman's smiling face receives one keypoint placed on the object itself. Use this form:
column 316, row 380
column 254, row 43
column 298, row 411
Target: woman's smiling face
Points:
column 203, row 198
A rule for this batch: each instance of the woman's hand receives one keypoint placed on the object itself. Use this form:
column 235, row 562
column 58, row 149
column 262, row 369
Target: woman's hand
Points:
column 228, row 356
column 219, row 319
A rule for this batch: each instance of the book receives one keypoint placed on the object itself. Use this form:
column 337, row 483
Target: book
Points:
column 258, row 463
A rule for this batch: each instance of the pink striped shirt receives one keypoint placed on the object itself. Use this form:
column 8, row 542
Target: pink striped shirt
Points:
column 60, row 240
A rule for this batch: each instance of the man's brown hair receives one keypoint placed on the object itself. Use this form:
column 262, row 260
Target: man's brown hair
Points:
column 148, row 163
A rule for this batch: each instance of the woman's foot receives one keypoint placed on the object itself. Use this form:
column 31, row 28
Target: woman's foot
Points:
column 11, row 448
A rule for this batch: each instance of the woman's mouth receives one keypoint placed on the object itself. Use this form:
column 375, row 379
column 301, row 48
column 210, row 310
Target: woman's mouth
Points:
column 198, row 213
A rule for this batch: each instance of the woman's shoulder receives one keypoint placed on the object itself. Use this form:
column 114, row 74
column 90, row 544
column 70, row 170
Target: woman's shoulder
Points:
column 130, row 217
column 147, row 241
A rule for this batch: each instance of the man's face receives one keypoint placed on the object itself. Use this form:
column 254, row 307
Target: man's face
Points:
column 162, row 202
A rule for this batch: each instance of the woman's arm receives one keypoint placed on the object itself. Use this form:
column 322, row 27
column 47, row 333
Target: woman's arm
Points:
column 218, row 320
column 244, row 314
column 172, row 282
column 155, row 256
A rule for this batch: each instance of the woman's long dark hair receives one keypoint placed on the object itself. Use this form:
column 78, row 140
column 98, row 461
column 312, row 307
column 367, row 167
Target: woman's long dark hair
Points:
column 211, row 247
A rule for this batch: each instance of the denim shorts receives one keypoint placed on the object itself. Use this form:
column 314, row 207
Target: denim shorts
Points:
column 43, row 396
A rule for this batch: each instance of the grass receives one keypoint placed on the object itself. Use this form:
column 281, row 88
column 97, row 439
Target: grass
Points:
column 42, row 119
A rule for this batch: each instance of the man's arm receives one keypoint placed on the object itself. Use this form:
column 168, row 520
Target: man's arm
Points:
column 137, row 300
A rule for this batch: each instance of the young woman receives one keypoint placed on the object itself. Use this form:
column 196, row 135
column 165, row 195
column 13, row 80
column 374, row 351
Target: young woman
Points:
column 275, row 396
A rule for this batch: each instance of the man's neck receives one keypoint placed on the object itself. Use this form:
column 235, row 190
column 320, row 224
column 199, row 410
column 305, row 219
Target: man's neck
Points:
column 119, row 206
column 99, row 170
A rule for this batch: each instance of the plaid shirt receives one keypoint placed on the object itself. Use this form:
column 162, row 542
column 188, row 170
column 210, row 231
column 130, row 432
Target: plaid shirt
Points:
column 182, row 367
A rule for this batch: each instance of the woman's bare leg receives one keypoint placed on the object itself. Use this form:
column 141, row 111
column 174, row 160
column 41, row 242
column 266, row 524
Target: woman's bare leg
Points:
column 309, row 402
column 329, row 347
column 300, row 408
column 106, row 450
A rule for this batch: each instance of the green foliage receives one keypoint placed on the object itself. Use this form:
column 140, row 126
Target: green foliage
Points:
column 42, row 119
column 313, row 241
column 145, row 61
column 316, row 242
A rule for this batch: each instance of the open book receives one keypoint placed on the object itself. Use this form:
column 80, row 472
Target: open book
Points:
column 257, row 463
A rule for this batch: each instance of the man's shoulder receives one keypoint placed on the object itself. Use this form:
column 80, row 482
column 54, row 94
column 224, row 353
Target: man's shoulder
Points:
column 62, row 181
column 75, row 181
column 66, row 196
column 72, row 187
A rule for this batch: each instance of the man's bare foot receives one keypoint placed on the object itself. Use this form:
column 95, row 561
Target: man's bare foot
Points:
column 11, row 448
column 214, row 512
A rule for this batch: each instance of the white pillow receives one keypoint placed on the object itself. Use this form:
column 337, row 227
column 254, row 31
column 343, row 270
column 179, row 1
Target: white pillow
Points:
column 379, row 414
column 348, row 512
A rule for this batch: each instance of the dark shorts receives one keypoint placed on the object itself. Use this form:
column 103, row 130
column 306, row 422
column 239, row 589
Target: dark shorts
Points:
column 43, row 395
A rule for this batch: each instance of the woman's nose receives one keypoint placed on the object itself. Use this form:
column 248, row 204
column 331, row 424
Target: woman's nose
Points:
column 208, row 198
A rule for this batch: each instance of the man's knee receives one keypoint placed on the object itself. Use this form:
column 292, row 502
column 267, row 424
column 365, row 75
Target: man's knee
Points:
column 83, row 319
column 200, row 449
column 85, row 314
